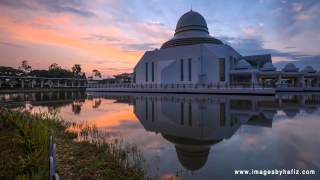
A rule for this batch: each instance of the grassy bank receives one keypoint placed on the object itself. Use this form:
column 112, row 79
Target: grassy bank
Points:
column 24, row 150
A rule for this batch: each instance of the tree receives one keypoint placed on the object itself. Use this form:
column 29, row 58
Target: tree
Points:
column 54, row 66
column 96, row 73
column 25, row 67
column 9, row 71
column 76, row 69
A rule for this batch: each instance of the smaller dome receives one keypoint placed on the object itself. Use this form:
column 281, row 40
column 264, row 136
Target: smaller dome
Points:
column 243, row 64
column 290, row 68
column 309, row 69
column 268, row 67
column 291, row 113
column 269, row 114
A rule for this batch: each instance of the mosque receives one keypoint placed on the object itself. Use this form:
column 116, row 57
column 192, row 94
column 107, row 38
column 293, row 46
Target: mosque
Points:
column 193, row 56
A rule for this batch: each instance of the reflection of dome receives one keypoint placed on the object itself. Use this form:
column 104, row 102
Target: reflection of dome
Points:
column 192, row 153
column 191, row 21
column 309, row 69
column 269, row 114
column 291, row 112
column 192, row 158
column 191, row 29
column 310, row 110
column 268, row 67
column 290, row 68
column 243, row 64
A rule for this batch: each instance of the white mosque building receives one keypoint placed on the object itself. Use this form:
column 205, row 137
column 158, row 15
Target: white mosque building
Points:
column 193, row 56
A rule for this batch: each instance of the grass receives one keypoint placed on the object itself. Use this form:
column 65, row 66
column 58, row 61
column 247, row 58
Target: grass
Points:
column 24, row 150
column 23, row 145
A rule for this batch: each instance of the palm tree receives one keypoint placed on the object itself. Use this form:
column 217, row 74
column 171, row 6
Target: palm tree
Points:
column 96, row 73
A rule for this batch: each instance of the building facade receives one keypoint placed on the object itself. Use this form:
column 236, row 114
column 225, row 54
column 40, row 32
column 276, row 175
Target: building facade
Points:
column 193, row 56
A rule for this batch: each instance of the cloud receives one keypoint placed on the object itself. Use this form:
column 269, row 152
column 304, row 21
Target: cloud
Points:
column 11, row 44
column 139, row 47
column 75, row 7
column 297, row 7
column 292, row 21
column 117, row 69
column 70, row 6
column 16, row 4
column 252, row 46
column 99, row 37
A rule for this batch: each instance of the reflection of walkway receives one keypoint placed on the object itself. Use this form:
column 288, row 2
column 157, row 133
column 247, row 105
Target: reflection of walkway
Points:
column 55, row 99
column 179, row 88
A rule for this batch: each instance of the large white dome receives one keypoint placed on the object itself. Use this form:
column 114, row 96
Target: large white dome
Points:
column 191, row 29
column 191, row 21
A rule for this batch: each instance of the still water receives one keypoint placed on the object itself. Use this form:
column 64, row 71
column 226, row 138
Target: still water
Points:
column 198, row 136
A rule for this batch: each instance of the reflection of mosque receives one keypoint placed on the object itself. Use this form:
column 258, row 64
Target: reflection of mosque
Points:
column 193, row 123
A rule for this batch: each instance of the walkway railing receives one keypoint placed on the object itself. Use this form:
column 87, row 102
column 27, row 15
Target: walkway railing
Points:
column 195, row 86
column 174, row 86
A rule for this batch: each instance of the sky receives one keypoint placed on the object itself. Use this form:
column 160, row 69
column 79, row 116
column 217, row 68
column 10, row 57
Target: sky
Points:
column 112, row 35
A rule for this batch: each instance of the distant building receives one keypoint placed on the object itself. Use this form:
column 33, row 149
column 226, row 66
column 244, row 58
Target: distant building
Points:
column 124, row 78
column 119, row 79
column 109, row 81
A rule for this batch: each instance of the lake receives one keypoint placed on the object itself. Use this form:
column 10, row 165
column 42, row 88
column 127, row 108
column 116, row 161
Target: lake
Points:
column 197, row 136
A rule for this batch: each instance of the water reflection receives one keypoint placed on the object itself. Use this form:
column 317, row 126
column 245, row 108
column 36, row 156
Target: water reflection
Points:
column 54, row 101
column 195, row 123
column 208, row 134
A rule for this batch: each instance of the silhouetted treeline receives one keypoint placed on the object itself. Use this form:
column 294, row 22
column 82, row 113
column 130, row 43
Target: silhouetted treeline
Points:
column 54, row 71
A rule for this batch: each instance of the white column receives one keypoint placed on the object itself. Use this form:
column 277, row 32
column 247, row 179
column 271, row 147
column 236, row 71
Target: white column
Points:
column 50, row 83
column 279, row 79
column 41, row 83
column 58, row 84
column 22, row 83
column 253, row 79
column 301, row 81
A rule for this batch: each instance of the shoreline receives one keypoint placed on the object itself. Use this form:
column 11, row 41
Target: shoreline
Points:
column 29, row 134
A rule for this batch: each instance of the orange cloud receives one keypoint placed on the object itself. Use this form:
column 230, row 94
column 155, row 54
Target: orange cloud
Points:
column 43, row 30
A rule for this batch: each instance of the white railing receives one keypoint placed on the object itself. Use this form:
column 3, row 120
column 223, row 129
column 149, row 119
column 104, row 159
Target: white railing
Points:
column 176, row 86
